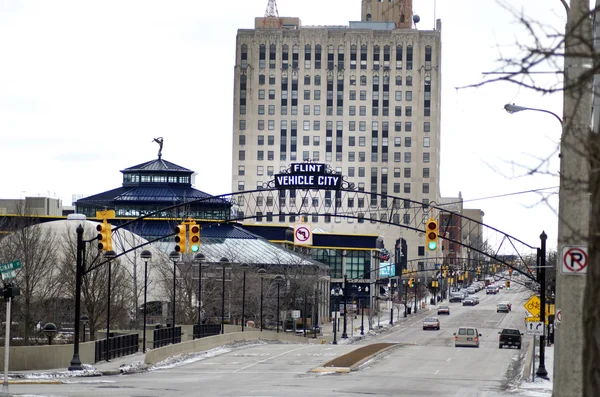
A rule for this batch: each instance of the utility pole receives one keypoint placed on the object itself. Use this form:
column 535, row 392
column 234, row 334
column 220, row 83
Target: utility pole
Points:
column 574, row 200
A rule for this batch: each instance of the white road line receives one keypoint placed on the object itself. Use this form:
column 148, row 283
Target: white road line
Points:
column 437, row 372
column 270, row 358
column 448, row 359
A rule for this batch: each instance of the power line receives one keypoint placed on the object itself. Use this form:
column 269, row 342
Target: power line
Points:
column 502, row 195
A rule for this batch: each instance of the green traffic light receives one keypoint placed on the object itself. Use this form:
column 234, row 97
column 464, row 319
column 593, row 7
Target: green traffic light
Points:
column 432, row 245
column 195, row 248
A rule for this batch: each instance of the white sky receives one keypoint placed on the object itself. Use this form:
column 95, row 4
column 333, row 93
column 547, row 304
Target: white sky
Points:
column 86, row 85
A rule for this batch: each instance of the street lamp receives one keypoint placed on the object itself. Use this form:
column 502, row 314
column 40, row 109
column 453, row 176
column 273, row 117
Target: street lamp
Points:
column 224, row 261
column 50, row 330
column 146, row 255
column 174, row 256
column 392, row 285
column 278, row 279
column 336, row 293
column 417, row 293
column 405, row 287
column 244, row 267
column 362, row 315
column 344, row 334
column 108, row 255
column 512, row 108
column 84, row 320
column 261, row 273
column 199, row 258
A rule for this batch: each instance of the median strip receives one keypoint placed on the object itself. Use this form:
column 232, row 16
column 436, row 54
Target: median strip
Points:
column 354, row 359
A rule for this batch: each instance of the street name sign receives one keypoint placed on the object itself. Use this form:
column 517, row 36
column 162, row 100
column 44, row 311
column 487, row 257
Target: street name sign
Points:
column 7, row 270
column 534, row 320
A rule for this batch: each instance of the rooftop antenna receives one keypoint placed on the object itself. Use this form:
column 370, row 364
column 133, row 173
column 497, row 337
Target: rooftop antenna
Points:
column 271, row 19
column 434, row 13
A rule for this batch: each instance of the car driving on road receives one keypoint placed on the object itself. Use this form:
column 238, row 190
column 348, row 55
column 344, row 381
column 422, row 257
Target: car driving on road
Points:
column 502, row 308
column 431, row 323
column 466, row 336
column 443, row 310
column 510, row 337
column 469, row 302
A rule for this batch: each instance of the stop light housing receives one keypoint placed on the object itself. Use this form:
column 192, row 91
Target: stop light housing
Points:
column 431, row 234
column 194, row 238
column 180, row 238
column 507, row 284
column 104, row 236
column 411, row 282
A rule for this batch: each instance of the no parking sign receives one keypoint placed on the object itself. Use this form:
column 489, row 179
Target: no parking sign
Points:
column 574, row 260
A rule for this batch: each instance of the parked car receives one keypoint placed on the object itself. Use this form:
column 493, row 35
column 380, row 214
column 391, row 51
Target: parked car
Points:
column 471, row 290
column 510, row 337
column 466, row 336
column 443, row 310
column 431, row 323
column 468, row 302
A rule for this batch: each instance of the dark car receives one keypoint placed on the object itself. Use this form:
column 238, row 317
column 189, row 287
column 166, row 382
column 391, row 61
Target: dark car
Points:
column 456, row 299
column 443, row 310
column 469, row 302
column 510, row 337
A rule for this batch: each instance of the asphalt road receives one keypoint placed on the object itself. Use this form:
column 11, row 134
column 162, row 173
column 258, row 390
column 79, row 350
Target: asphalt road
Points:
column 427, row 364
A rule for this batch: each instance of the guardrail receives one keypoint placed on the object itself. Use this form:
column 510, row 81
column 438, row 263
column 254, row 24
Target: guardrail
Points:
column 118, row 346
column 164, row 336
column 204, row 330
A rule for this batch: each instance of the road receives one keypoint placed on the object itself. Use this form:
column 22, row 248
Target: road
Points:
column 427, row 364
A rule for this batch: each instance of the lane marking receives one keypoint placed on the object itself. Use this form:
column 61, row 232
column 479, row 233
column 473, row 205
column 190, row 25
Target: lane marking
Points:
column 437, row 372
column 448, row 359
column 266, row 359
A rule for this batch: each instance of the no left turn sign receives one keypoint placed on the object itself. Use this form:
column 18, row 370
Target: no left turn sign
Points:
column 574, row 260
column 302, row 235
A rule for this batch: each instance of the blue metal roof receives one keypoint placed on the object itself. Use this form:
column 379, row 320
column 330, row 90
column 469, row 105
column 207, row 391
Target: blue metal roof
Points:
column 157, row 165
column 165, row 195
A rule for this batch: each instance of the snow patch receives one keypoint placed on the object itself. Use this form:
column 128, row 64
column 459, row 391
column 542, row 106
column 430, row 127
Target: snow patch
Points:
column 88, row 370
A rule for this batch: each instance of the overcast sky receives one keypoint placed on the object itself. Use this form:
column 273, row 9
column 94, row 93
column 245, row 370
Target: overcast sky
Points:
column 86, row 85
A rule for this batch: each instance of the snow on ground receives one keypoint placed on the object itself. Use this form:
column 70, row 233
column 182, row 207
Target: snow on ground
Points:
column 539, row 387
column 88, row 370
column 189, row 358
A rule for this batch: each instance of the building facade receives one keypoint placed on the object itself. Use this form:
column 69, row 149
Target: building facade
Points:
column 364, row 99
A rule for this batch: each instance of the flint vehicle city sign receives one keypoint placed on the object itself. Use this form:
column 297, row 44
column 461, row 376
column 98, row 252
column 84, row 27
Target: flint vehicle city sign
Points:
column 308, row 176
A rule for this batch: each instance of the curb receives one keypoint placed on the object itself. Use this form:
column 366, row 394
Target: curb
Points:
column 35, row 382
column 528, row 362
column 357, row 365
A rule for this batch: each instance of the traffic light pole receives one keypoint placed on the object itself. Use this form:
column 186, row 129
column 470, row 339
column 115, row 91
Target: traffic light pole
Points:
column 542, row 372
column 75, row 364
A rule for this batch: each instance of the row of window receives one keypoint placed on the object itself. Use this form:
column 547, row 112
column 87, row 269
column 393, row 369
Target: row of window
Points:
column 269, row 217
column 136, row 178
column 361, row 157
column 340, row 95
column 362, row 141
column 316, row 126
column 317, row 82
column 351, row 172
column 333, row 61
column 305, row 202
column 339, row 110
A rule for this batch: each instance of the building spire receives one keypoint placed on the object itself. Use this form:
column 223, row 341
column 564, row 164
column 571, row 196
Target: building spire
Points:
column 271, row 19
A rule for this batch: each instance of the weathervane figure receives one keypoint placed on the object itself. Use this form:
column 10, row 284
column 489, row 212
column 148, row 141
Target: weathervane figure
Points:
column 159, row 140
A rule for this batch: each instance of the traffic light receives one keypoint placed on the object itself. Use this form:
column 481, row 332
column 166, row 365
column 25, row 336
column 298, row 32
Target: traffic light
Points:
column 180, row 239
column 104, row 236
column 507, row 284
column 411, row 282
column 194, row 238
column 431, row 234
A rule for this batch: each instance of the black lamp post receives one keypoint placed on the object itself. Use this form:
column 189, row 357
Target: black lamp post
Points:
column 224, row 261
column 108, row 255
column 75, row 364
column 50, row 330
column 362, row 315
column 84, row 320
column 262, row 273
column 405, row 286
column 244, row 267
column 146, row 255
column 344, row 334
column 392, row 284
column 336, row 293
column 199, row 259
column 416, row 294
column 278, row 279
column 174, row 256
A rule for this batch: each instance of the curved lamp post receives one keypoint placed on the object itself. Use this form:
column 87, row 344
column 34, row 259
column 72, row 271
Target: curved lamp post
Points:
column 84, row 319
column 146, row 255
column 224, row 261
column 108, row 255
column 278, row 279
column 244, row 267
column 261, row 273
column 199, row 258
column 336, row 293
column 174, row 257
column 512, row 108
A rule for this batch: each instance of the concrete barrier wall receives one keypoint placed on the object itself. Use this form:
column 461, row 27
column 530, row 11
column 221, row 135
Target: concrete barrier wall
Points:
column 157, row 355
column 23, row 358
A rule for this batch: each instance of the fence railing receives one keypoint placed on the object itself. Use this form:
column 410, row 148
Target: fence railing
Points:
column 164, row 336
column 204, row 330
column 118, row 346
